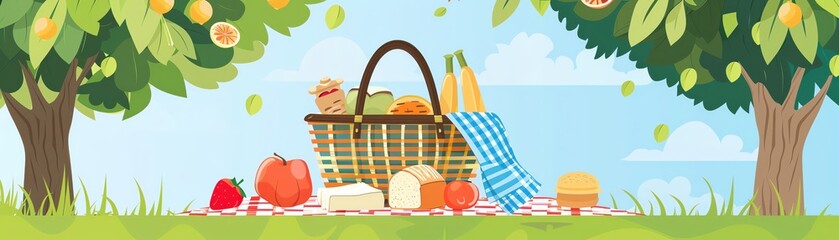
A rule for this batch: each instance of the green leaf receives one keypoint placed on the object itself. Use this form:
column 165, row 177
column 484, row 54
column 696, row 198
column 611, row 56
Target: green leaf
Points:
column 108, row 66
column 133, row 71
column 182, row 40
column 676, row 23
column 12, row 76
column 138, row 100
column 2, row 102
column 84, row 110
column 86, row 13
column 334, row 16
column 162, row 47
column 167, row 78
column 806, row 35
column 772, row 31
column 441, row 11
column 69, row 40
column 623, row 18
column 13, row 10
column 502, row 10
column 646, row 17
column 729, row 22
column 117, row 7
column 253, row 104
column 733, row 71
column 661, row 132
column 827, row 26
column 627, row 88
column 8, row 48
column 688, row 79
column 541, row 6
column 834, row 66
column 142, row 23
column 756, row 33
column 206, row 78
column 23, row 27
column 695, row 4
column 831, row 6
column 38, row 48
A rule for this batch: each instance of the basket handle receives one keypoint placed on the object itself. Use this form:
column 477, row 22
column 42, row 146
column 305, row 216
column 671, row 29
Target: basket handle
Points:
column 426, row 73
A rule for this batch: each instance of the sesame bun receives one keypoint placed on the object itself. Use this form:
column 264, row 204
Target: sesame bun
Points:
column 577, row 183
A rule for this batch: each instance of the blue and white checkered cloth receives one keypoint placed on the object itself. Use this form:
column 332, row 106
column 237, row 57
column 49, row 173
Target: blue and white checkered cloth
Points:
column 505, row 180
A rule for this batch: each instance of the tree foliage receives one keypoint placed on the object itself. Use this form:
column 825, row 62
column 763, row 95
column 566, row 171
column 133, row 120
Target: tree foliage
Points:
column 670, row 36
column 162, row 51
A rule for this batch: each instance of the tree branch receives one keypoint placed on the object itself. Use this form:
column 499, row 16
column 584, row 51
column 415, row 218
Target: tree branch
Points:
column 38, row 99
column 795, row 84
column 86, row 69
column 816, row 103
column 71, row 82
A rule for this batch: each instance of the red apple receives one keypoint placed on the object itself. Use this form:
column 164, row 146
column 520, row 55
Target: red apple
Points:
column 282, row 182
column 461, row 195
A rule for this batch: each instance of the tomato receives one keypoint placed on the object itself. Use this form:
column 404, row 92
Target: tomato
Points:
column 284, row 183
column 461, row 195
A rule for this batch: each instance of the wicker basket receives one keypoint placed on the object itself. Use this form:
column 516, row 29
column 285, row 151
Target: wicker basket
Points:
column 372, row 148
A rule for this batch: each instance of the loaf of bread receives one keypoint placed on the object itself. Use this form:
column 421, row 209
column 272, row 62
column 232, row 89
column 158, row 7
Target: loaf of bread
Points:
column 417, row 187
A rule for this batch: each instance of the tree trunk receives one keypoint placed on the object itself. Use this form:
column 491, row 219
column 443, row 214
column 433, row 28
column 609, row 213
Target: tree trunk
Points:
column 783, row 129
column 44, row 130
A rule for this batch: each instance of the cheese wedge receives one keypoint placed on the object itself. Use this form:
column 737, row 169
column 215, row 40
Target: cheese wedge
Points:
column 358, row 196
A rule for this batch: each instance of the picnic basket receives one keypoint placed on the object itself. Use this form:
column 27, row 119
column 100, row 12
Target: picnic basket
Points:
column 372, row 148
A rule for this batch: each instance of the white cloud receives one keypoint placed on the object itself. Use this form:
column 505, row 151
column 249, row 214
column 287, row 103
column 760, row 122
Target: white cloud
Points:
column 696, row 141
column 340, row 57
column 525, row 61
column 680, row 187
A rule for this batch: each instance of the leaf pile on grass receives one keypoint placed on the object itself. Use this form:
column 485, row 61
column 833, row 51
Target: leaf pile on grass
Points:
column 15, row 202
column 715, row 209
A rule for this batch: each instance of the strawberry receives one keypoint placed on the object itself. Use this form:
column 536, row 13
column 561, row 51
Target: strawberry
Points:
column 227, row 194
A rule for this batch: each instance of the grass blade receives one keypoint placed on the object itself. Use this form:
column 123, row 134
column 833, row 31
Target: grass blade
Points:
column 748, row 206
column 29, row 205
column 693, row 209
column 660, row 204
column 186, row 209
column 824, row 211
column 798, row 209
column 712, row 210
column 780, row 201
column 681, row 205
column 113, row 206
column 102, row 210
column 652, row 210
column 142, row 200
column 614, row 203
column 635, row 200
column 160, row 200
column 87, row 207
column 730, row 209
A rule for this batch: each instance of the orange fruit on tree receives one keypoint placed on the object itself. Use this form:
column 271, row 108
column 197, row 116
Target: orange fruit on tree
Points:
column 790, row 14
column 161, row 6
column 45, row 28
column 597, row 4
column 278, row 4
column 224, row 35
column 201, row 11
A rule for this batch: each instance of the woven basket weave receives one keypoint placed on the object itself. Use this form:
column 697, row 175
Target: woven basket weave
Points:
column 372, row 148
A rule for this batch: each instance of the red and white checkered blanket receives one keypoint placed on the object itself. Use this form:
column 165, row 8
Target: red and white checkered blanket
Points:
column 538, row 206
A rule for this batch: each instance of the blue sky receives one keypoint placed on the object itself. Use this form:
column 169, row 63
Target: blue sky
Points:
column 563, row 111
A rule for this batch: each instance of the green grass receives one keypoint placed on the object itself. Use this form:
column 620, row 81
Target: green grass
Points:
column 14, row 202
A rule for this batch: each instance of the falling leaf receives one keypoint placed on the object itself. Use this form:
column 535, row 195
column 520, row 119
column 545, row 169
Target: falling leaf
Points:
column 661, row 132
column 732, row 71
column 503, row 9
column 109, row 66
column 627, row 88
column 688, row 79
column 334, row 16
column 541, row 6
column 441, row 11
column 253, row 104
column 834, row 65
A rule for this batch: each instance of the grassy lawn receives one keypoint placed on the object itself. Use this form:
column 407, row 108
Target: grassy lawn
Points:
column 168, row 227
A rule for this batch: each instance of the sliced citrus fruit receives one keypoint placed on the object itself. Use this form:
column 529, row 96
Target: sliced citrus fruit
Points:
column 597, row 4
column 224, row 35
column 45, row 28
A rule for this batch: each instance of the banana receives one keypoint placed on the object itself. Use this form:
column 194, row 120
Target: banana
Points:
column 472, row 100
column 448, row 96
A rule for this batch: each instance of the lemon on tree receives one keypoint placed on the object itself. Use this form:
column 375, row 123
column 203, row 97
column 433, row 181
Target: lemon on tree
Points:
column 597, row 4
column 45, row 28
column 278, row 4
column 224, row 35
column 161, row 6
column 201, row 11
column 790, row 14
